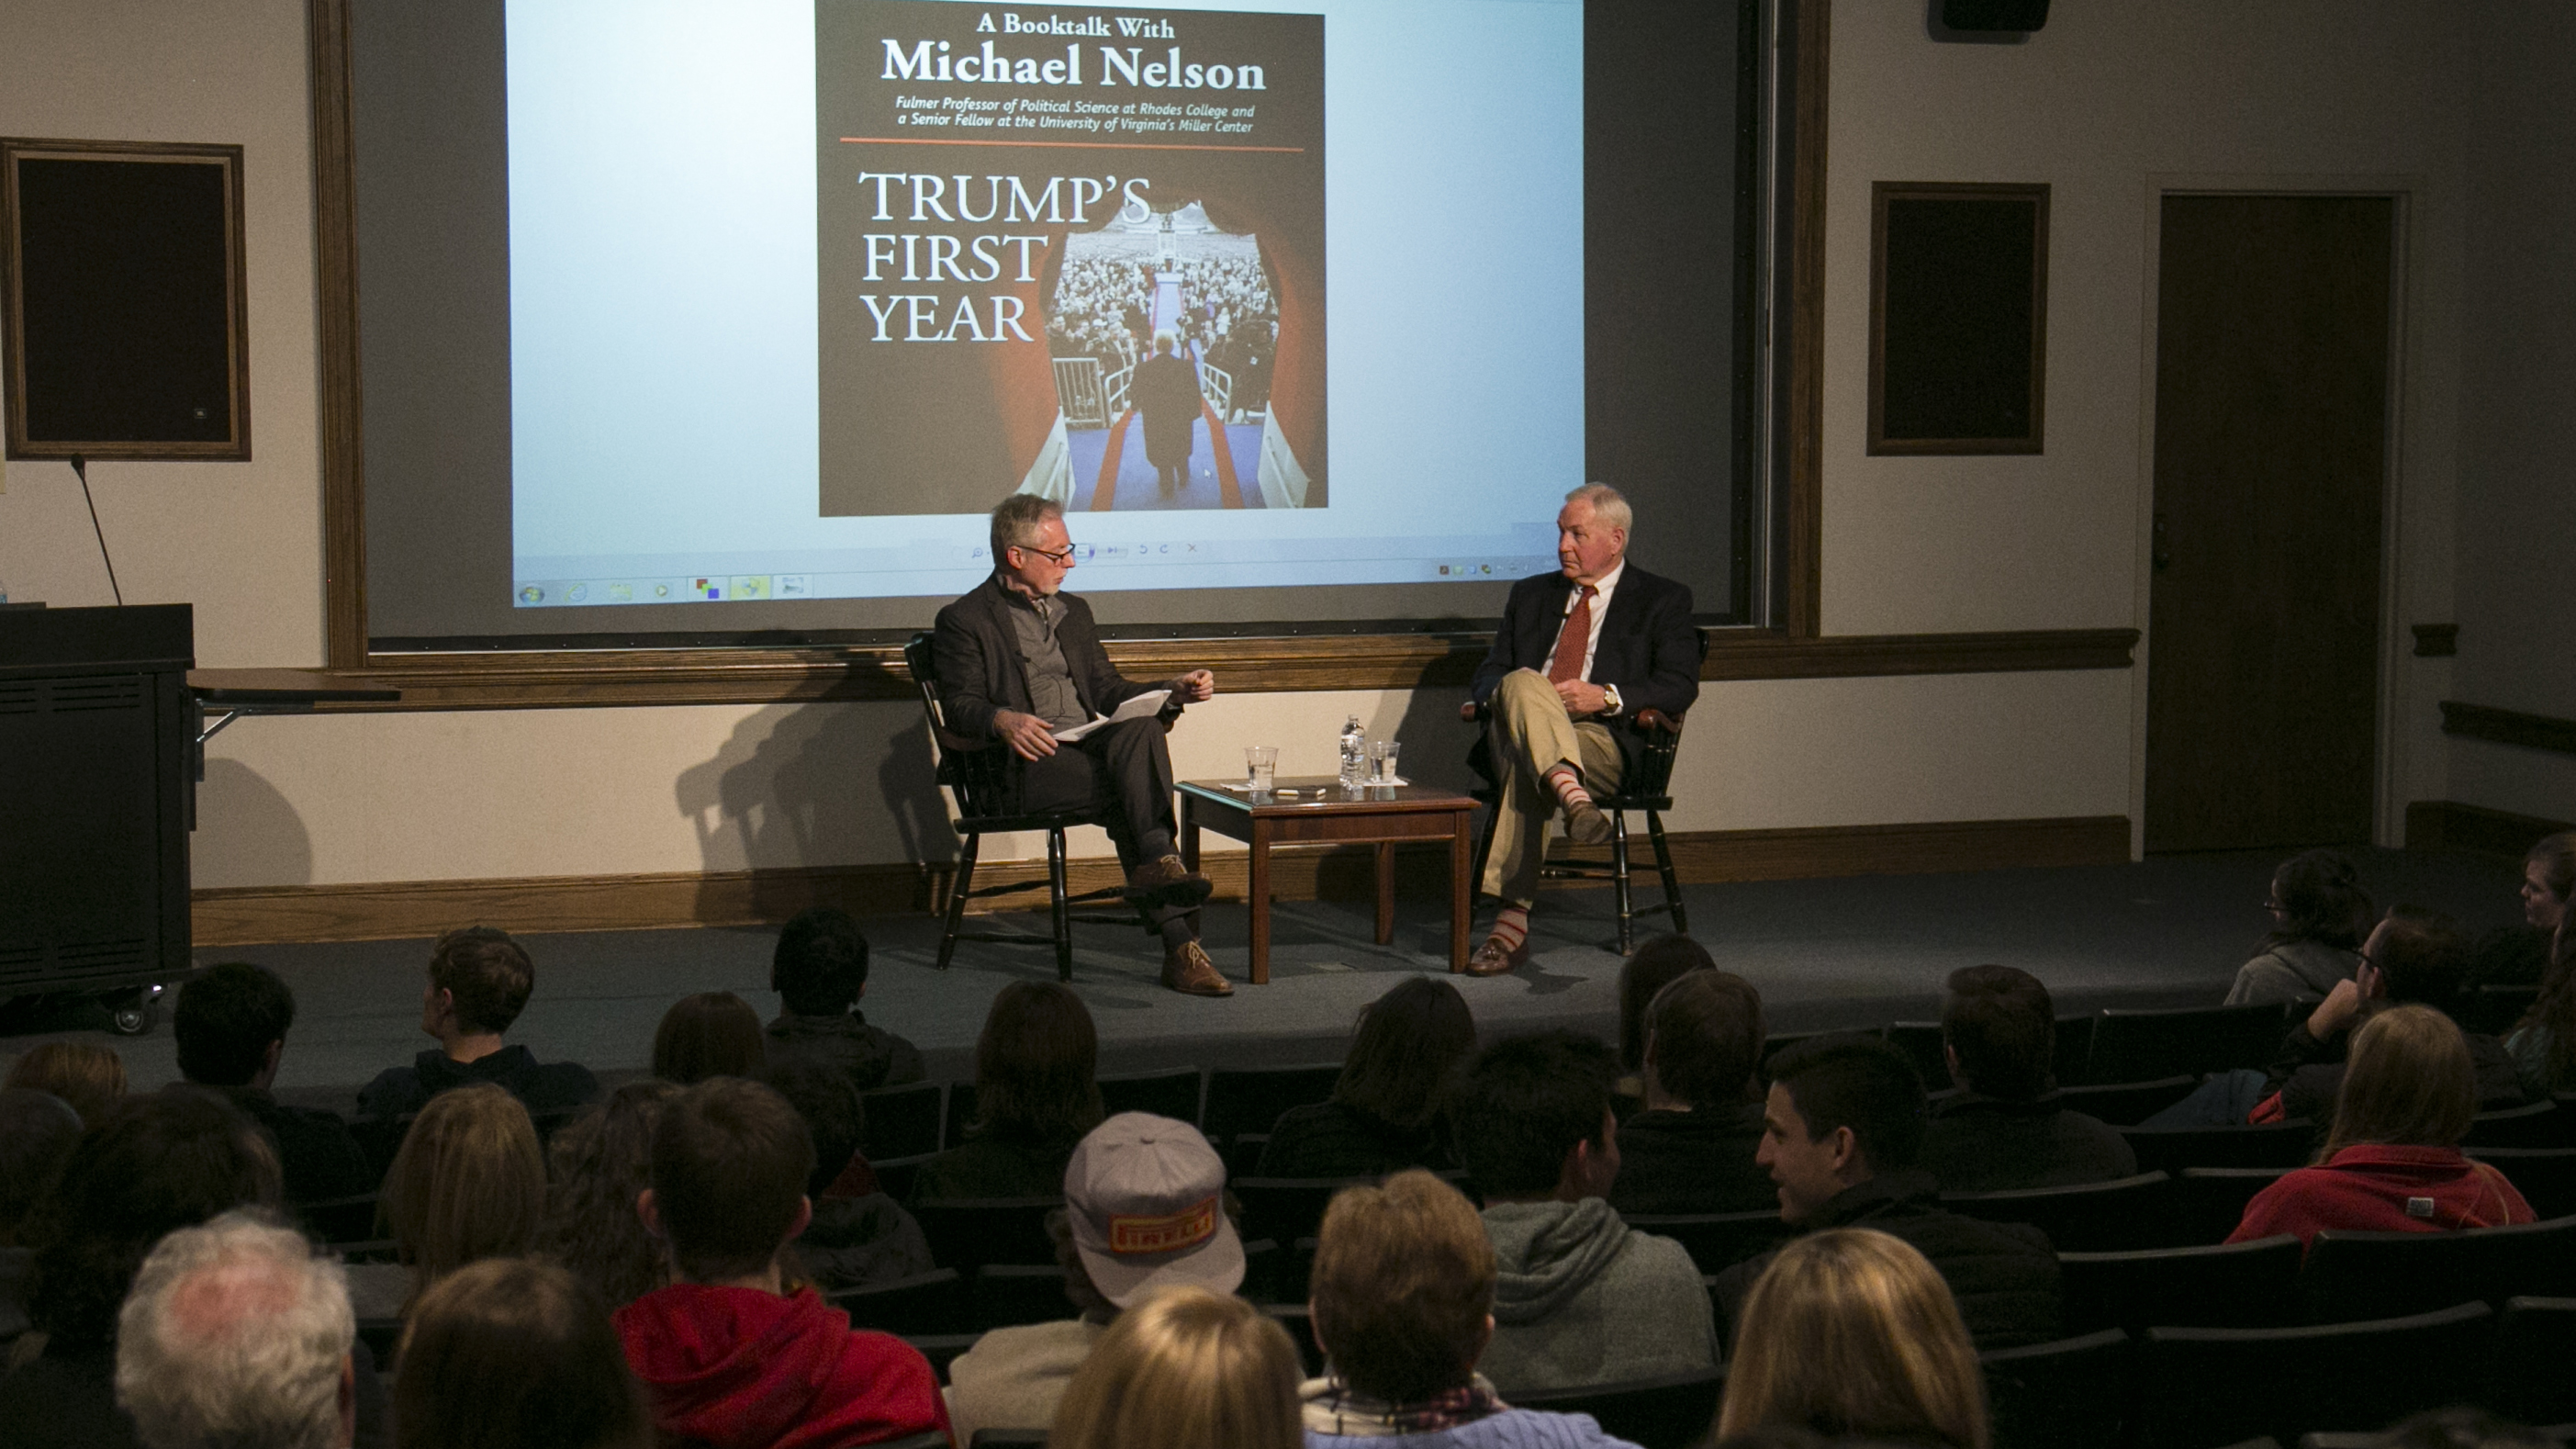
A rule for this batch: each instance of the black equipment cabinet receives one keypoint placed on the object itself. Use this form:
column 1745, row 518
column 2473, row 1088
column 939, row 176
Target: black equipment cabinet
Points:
column 96, row 727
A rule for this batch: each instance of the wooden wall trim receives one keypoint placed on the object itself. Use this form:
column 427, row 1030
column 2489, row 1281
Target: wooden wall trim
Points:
column 406, row 909
column 335, row 265
column 1377, row 661
column 2508, row 727
column 2448, row 824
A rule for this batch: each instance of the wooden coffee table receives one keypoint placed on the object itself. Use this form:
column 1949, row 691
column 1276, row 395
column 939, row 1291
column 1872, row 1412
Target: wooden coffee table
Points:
column 1383, row 815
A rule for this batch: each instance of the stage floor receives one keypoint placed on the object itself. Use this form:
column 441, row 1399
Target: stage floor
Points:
column 1825, row 953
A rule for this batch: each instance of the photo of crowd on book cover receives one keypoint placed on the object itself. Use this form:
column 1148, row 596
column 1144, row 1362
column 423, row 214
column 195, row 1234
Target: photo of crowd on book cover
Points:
column 1077, row 254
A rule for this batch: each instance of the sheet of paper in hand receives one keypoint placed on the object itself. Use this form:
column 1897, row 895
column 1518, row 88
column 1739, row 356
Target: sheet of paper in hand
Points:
column 1148, row 703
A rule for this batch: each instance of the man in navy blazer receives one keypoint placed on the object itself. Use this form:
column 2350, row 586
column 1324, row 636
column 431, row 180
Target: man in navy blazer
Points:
column 1019, row 661
column 1580, row 651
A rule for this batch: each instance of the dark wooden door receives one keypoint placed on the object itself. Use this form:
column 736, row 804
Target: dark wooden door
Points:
column 2271, row 441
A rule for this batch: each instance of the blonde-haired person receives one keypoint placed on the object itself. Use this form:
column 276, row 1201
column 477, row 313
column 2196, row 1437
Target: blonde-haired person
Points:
column 468, row 1183
column 89, row 1076
column 1852, row 1334
column 1402, row 1300
column 2392, row 1162
column 1185, row 1369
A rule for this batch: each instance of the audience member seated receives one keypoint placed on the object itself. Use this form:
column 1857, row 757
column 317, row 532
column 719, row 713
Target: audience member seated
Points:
column 1842, row 1135
column 853, row 1241
column 1144, row 1212
column 2319, row 915
column 479, row 979
column 1579, row 1298
column 1852, row 1335
column 230, row 1027
column 89, row 1076
column 151, row 1165
column 1691, row 1149
column 1035, row 1095
column 597, row 1164
column 1656, row 965
column 236, row 1334
column 1402, row 1305
column 2543, row 1043
column 514, row 1353
column 2518, row 955
column 2412, row 957
column 2001, row 1131
column 820, row 970
column 38, row 1131
column 1385, row 1112
column 468, row 1184
column 711, row 1034
column 2393, row 1163
column 1191, row 1369
column 728, row 1356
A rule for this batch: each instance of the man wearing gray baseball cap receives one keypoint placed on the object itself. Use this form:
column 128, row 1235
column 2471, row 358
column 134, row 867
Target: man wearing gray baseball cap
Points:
column 1145, row 1209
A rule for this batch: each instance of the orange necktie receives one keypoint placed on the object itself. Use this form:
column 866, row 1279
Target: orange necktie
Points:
column 1567, row 663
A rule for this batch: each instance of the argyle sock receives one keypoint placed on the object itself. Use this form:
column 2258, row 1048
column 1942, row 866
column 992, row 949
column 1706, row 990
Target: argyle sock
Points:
column 1569, row 788
column 1511, row 927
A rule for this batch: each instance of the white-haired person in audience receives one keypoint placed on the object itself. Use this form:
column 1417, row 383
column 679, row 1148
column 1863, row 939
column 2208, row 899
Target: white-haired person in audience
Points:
column 2392, row 1162
column 1144, row 1211
column 1851, row 1334
column 1402, row 1304
column 235, row 1333
column 516, row 1353
column 1187, row 1369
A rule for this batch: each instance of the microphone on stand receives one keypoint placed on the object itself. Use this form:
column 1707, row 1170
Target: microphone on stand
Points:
column 80, row 469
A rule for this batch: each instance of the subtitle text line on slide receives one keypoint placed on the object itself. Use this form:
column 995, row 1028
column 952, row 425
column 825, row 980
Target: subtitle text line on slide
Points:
column 1067, row 145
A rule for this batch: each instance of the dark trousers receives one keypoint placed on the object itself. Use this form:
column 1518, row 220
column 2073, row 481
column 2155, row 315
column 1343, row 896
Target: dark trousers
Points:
column 1122, row 774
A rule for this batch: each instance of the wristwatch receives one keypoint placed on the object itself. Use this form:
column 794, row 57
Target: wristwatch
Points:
column 1610, row 702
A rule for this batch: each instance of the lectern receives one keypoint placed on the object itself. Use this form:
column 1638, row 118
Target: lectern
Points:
column 95, row 732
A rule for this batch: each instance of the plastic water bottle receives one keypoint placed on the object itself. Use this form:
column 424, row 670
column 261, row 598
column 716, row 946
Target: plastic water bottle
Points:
column 1354, row 753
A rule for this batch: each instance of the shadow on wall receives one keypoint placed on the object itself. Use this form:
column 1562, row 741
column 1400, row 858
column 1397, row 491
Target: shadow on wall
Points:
column 247, row 834
column 792, row 790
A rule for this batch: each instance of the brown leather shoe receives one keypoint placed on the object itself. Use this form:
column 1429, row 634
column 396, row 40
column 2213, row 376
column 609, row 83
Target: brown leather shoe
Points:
column 1164, row 881
column 1587, row 824
column 1187, row 970
column 1495, row 959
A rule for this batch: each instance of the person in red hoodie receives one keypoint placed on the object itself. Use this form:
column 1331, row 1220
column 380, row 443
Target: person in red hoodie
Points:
column 729, row 1356
column 2393, row 1161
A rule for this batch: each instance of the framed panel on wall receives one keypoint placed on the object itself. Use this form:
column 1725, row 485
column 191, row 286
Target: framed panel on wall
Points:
column 1958, row 317
column 123, row 316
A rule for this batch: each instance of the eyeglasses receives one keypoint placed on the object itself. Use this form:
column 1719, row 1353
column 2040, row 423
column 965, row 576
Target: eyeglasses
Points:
column 1058, row 557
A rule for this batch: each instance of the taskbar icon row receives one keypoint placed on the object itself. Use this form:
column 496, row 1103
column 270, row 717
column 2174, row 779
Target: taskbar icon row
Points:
column 695, row 589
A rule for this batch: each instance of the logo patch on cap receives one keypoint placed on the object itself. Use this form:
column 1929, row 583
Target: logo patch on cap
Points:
column 2419, row 1207
column 1133, row 1235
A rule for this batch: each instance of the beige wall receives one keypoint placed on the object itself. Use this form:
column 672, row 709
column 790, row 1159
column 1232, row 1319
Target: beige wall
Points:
column 2104, row 104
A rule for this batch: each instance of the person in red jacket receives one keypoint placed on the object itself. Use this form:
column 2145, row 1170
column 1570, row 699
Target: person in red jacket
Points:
column 730, row 1358
column 2393, row 1161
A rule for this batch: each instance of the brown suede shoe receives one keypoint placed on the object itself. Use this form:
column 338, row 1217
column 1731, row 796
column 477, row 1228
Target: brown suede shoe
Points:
column 1494, row 959
column 1187, row 970
column 1164, row 881
column 1587, row 824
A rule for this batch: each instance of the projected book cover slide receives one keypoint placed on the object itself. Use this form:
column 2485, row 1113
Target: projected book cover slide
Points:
column 1069, row 252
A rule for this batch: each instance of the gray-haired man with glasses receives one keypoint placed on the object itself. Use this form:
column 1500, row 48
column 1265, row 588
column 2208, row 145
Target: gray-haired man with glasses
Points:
column 1019, row 661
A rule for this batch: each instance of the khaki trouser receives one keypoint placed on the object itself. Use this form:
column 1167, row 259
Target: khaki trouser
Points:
column 1531, row 735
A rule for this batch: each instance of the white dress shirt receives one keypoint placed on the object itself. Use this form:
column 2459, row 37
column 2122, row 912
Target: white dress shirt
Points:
column 1600, row 610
